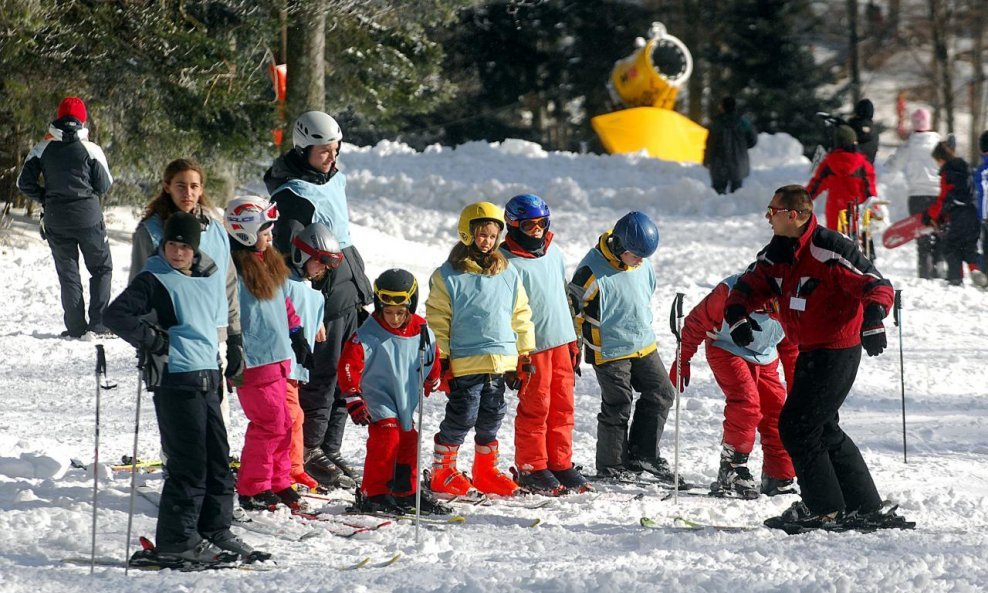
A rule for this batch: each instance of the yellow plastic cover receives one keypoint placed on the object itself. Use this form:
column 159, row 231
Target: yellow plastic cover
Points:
column 664, row 134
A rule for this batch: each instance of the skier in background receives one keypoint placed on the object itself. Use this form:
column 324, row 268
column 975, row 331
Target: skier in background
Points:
column 981, row 195
column 726, row 155
column 865, row 129
column 845, row 174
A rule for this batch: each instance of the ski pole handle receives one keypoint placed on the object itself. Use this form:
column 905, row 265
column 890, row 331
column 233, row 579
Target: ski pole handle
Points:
column 675, row 314
column 897, row 307
column 100, row 360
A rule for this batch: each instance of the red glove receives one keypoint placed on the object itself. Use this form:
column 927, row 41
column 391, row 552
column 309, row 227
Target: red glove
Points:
column 518, row 378
column 445, row 377
column 432, row 385
column 357, row 408
column 685, row 368
column 576, row 356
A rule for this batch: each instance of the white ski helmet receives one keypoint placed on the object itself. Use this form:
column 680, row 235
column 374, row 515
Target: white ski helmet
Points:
column 246, row 216
column 315, row 128
column 315, row 241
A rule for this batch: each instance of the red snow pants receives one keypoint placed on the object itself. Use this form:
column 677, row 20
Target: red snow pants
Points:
column 391, row 464
column 264, row 461
column 297, row 446
column 544, row 422
column 755, row 396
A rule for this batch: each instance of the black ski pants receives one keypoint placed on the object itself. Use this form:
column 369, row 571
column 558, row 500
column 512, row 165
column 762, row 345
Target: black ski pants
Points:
column 929, row 248
column 325, row 411
column 65, row 244
column 961, row 242
column 197, row 498
column 618, row 380
column 831, row 472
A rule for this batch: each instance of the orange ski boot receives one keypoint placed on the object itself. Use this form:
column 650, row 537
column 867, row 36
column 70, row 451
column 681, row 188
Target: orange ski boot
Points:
column 446, row 479
column 486, row 476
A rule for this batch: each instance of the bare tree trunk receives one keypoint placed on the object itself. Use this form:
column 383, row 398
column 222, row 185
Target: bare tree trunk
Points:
column 944, row 79
column 693, row 11
column 306, row 88
column 854, row 63
column 892, row 24
column 977, row 20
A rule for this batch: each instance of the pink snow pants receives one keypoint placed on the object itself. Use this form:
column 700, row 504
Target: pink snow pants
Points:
column 264, row 461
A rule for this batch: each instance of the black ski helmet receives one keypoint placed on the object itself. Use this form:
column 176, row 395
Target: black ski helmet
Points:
column 396, row 287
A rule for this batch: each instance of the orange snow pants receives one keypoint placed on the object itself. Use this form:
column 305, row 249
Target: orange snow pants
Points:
column 755, row 396
column 544, row 422
column 298, row 418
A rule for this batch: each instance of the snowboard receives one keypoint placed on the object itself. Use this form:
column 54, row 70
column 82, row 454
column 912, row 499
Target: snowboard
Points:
column 904, row 231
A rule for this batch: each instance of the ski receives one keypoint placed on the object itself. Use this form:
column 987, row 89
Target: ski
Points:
column 431, row 519
column 268, row 523
column 683, row 524
column 339, row 526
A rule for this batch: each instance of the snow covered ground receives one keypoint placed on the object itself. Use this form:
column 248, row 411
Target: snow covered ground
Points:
column 404, row 206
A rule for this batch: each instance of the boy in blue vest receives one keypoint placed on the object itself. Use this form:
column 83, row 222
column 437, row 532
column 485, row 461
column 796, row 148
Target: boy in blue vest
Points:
column 611, row 293
column 183, row 288
column 379, row 375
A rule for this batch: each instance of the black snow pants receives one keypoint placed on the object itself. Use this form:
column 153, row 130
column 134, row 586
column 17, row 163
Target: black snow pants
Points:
column 325, row 411
column 65, row 244
column 929, row 248
column 961, row 242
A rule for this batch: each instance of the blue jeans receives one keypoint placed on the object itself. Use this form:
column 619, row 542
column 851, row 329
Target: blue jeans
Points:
column 475, row 401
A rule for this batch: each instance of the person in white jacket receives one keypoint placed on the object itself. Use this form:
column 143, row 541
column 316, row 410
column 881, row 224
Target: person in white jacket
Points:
column 913, row 159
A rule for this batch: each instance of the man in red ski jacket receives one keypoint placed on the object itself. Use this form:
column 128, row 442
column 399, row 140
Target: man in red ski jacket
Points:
column 845, row 174
column 832, row 301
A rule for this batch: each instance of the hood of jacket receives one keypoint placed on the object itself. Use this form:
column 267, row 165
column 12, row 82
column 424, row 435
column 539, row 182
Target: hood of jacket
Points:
column 67, row 129
column 292, row 165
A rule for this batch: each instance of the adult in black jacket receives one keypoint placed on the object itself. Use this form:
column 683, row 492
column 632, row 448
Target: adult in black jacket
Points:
column 726, row 155
column 307, row 187
column 75, row 176
column 865, row 129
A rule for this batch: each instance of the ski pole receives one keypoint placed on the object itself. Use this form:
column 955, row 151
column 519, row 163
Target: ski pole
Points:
column 897, row 317
column 133, row 461
column 675, row 321
column 423, row 344
column 100, row 369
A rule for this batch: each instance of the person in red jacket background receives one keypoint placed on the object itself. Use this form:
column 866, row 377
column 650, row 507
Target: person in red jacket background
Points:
column 832, row 301
column 845, row 174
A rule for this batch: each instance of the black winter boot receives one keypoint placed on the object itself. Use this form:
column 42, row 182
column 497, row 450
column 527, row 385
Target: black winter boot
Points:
column 337, row 458
column 324, row 471
column 734, row 476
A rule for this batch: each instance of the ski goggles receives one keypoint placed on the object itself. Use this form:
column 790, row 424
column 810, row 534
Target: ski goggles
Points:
column 326, row 258
column 530, row 225
column 392, row 297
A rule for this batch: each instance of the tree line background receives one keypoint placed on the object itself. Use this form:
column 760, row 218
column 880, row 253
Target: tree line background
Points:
column 164, row 79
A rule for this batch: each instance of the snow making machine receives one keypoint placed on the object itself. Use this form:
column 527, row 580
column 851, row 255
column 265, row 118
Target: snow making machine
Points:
column 646, row 82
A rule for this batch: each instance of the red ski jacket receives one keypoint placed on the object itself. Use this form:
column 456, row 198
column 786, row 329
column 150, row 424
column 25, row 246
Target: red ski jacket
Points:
column 822, row 282
column 847, row 176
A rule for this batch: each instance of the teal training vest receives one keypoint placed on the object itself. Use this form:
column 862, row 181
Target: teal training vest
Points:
column 309, row 305
column 265, row 328
column 545, row 282
column 193, row 344
column 329, row 201
column 763, row 349
column 390, row 382
column 625, row 305
column 214, row 242
column 483, row 308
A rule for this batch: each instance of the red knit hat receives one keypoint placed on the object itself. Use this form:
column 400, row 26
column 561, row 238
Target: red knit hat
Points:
column 72, row 106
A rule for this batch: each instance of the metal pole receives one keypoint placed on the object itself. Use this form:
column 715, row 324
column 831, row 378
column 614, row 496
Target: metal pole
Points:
column 897, row 316
column 100, row 368
column 423, row 345
column 675, row 321
column 133, row 463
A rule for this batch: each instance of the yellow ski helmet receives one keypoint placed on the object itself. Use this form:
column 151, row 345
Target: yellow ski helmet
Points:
column 479, row 211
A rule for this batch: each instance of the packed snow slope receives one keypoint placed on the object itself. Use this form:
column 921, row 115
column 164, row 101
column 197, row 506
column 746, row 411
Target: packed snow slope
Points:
column 404, row 205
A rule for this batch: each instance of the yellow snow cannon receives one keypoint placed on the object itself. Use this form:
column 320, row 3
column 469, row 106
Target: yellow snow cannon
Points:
column 647, row 82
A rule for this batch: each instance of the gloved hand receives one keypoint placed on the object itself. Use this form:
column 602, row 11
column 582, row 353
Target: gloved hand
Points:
column 234, row 359
column 518, row 378
column 303, row 353
column 156, row 342
column 357, row 408
column 445, row 376
column 685, row 370
column 432, row 385
column 41, row 227
column 576, row 356
column 873, row 330
column 362, row 315
column 742, row 326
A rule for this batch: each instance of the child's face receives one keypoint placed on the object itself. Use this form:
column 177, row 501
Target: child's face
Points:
column 179, row 255
column 395, row 315
column 485, row 237
column 630, row 259
column 322, row 158
column 263, row 240
column 314, row 268
column 185, row 189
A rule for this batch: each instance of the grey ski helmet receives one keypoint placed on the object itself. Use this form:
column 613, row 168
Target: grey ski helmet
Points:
column 315, row 128
column 315, row 241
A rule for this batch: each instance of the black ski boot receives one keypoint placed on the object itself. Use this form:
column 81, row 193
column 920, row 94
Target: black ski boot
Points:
column 618, row 473
column 430, row 504
column 228, row 542
column 798, row 518
column 884, row 517
column 776, row 486
column 324, row 471
column 262, row 501
column 658, row 467
column 540, row 481
column 377, row 504
column 573, row 480
column 346, row 468
column 293, row 500
column 733, row 477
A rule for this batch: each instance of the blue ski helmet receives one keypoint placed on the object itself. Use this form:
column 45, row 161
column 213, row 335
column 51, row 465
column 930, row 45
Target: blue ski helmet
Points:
column 525, row 207
column 637, row 234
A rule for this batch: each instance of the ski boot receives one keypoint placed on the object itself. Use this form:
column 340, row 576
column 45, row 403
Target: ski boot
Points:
column 303, row 479
column 776, row 486
column 337, row 459
column 230, row 543
column 883, row 517
column 377, row 504
column 573, row 480
column 539, row 481
column 799, row 518
column 291, row 499
column 324, row 471
column 265, row 500
column 733, row 477
column 658, row 467
column 486, row 476
column 445, row 478
column 430, row 505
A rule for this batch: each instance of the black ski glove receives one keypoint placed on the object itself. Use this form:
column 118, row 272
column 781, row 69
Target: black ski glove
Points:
column 234, row 358
column 742, row 326
column 873, row 330
column 303, row 353
column 156, row 341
